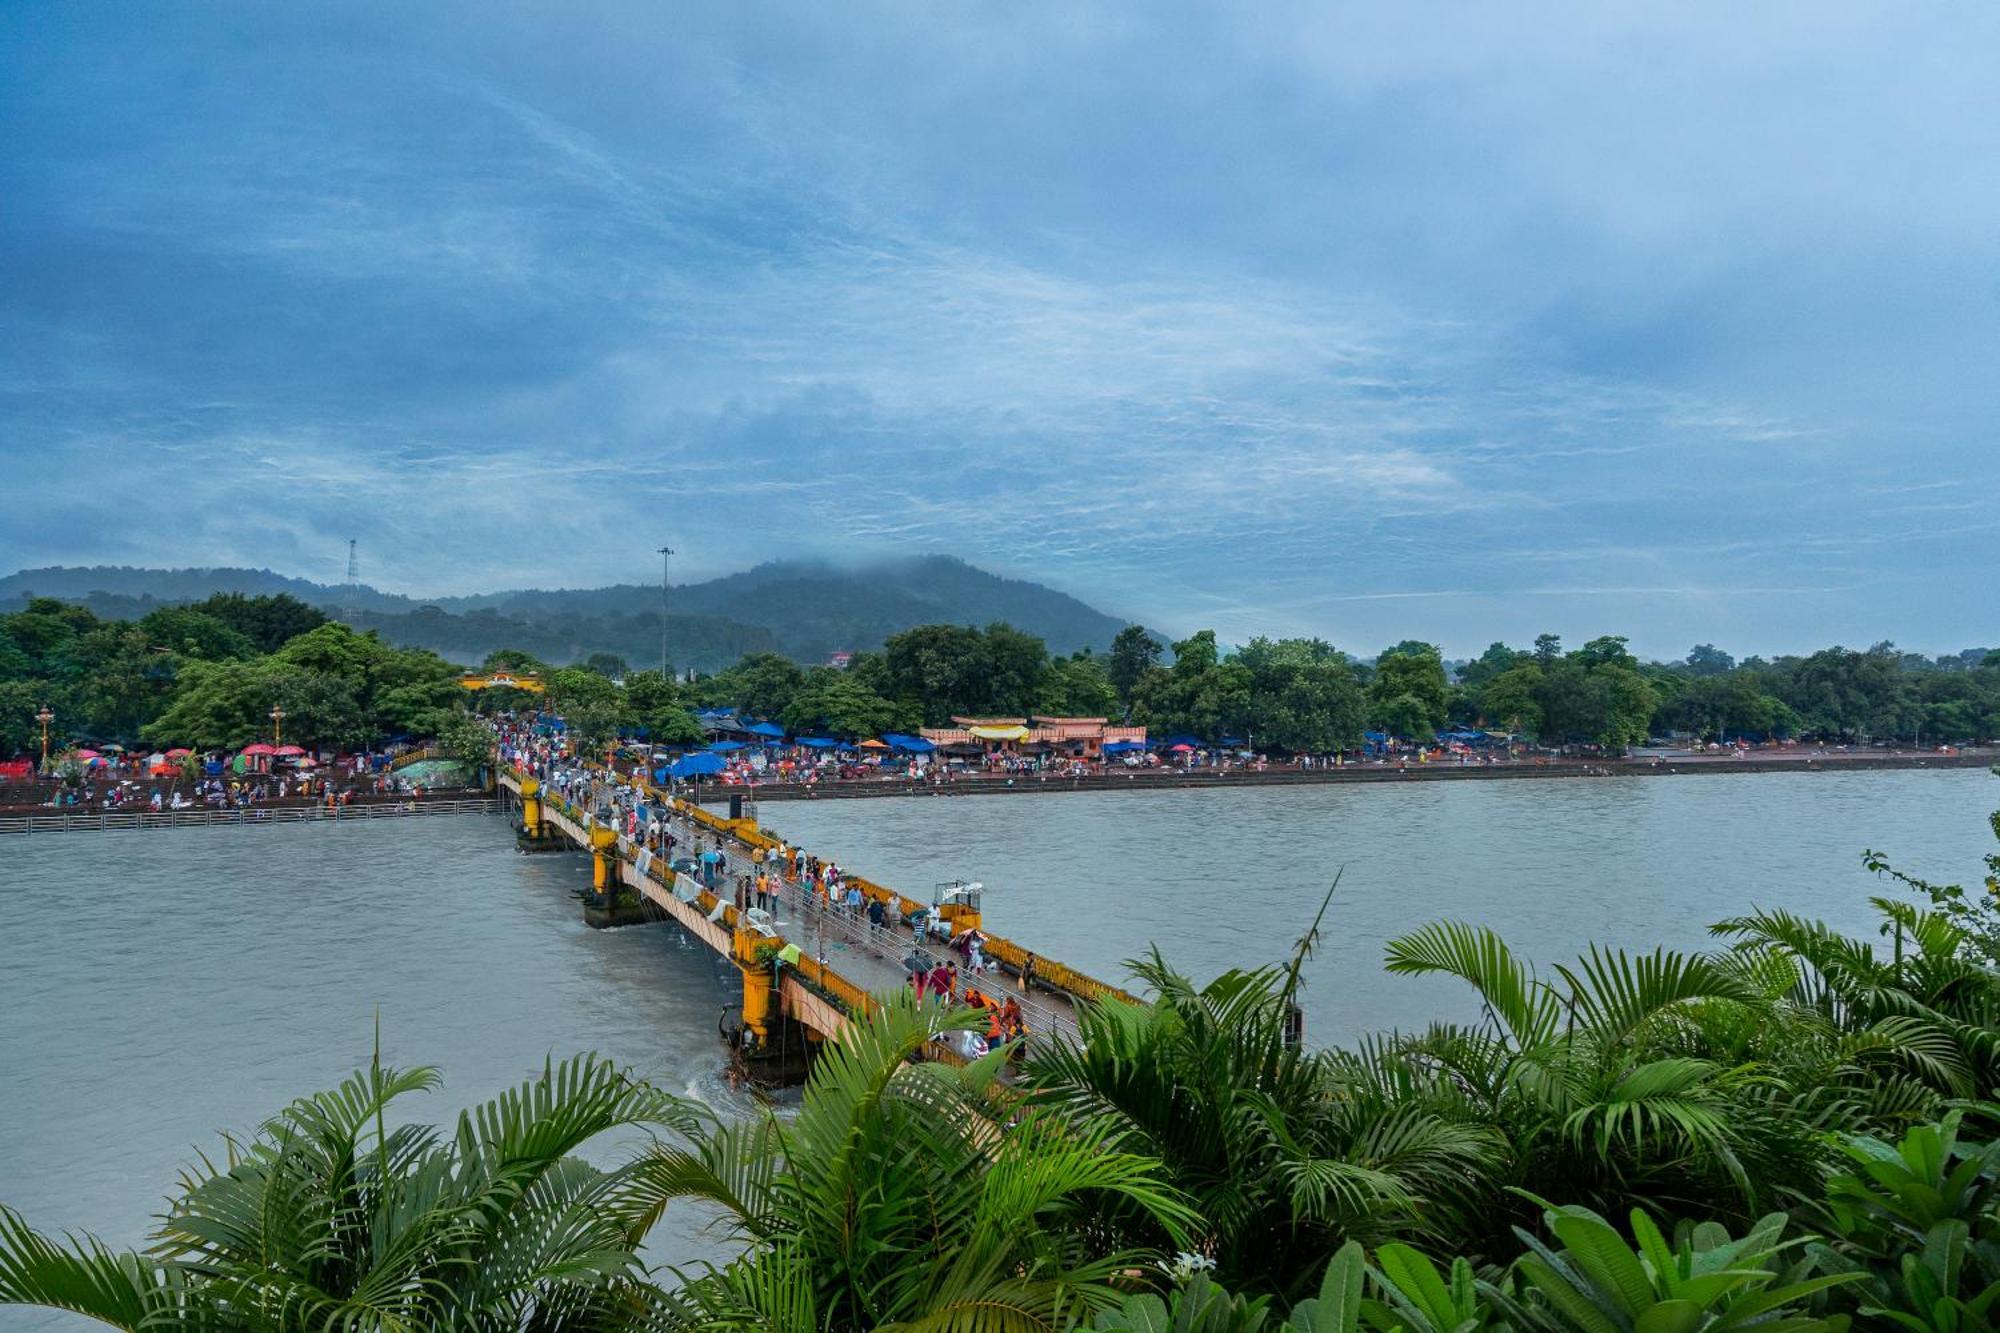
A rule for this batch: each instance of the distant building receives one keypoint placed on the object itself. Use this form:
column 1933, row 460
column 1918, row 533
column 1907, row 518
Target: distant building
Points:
column 840, row 661
column 1083, row 737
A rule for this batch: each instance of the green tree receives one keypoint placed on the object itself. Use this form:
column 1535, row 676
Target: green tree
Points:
column 1134, row 652
column 269, row 623
column 1076, row 686
column 1409, row 694
column 190, row 633
column 761, row 685
column 658, row 707
column 609, row 665
column 1512, row 699
column 1303, row 697
column 833, row 701
column 215, row 706
column 1200, row 694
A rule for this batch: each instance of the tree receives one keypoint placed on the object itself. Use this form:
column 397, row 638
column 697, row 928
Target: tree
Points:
column 835, row 702
column 330, row 1218
column 1705, row 659
column 657, row 707
column 1303, row 697
column 1548, row 647
column 269, row 623
column 321, row 709
column 760, row 685
column 948, row 670
column 190, row 633
column 1409, row 694
column 1133, row 653
column 1200, row 694
column 1512, row 699
column 609, row 665
column 216, row 706
column 1076, row 686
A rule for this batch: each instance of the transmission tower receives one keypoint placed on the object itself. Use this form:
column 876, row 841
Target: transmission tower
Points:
column 351, row 592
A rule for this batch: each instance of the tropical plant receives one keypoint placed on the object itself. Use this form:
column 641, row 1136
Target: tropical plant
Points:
column 1920, row 1221
column 905, row 1195
column 1704, row 1280
column 1598, row 1082
column 329, row 1219
column 1285, row 1152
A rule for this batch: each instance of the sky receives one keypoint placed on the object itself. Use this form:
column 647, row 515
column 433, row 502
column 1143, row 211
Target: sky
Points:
column 1442, row 321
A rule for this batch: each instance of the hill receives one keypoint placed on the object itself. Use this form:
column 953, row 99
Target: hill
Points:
column 803, row 609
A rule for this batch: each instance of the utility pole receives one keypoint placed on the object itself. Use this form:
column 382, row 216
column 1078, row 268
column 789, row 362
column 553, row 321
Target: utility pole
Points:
column 666, row 555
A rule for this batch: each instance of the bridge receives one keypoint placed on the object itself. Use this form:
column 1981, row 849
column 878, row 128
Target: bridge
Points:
column 807, row 967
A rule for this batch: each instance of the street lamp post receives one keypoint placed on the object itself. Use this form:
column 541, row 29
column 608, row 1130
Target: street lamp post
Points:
column 45, row 717
column 666, row 555
column 277, row 725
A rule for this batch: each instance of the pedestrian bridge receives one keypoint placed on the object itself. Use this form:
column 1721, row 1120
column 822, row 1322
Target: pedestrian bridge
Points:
column 805, row 966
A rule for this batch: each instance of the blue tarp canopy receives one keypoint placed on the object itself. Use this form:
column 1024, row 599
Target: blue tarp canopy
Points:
column 723, row 746
column 907, row 744
column 696, row 766
column 1377, row 736
column 1124, row 747
column 818, row 742
column 765, row 729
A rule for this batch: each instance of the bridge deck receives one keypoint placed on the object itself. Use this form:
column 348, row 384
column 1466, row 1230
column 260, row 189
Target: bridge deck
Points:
column 842, row 954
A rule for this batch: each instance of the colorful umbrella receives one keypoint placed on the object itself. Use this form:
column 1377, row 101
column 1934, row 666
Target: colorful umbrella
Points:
column 179, row 754
column 873, row 745
column 84, row 754
column 288, row 749
column 258, row 748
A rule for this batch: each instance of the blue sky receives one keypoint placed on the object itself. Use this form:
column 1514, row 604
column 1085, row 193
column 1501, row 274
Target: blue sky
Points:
column 1367, row 321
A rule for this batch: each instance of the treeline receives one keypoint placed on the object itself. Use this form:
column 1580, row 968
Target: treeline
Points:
column 208, row 676
column 1792, row 1131
column 1306, row 696
column 204, row 674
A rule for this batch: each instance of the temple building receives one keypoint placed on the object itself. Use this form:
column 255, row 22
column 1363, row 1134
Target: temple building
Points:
column 1081, row 737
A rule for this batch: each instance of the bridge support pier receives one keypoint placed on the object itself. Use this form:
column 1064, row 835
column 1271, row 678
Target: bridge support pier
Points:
column 768, row 1046
column 609, row 902
column 533, row 834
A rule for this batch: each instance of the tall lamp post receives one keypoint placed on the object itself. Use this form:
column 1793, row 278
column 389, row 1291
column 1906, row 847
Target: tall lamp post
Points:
column 277, row 725
column 666, row 555
column 45, row 717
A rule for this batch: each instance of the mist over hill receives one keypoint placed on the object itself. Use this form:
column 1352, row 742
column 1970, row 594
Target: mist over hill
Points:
column 803, row 609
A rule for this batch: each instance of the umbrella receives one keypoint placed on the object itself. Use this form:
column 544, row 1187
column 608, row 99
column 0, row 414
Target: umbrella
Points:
column 1181, row 748
column 179, row 754
column 873, row 745
column 258, row 748
column 116, row 749
column 85, row 754
column 308, row 762
column 288, row 749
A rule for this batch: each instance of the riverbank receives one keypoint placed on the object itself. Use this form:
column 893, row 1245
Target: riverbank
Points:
column 1160, row 779
column 77, row 818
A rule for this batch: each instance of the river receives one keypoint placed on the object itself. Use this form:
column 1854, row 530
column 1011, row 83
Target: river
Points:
column 162, row 986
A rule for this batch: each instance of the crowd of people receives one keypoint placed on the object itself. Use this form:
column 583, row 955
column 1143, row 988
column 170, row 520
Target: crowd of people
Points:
column 941, row 964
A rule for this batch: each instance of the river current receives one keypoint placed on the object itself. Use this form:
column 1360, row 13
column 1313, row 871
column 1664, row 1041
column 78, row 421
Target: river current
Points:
column 160, row 987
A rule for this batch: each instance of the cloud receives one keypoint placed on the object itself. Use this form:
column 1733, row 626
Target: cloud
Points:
column 1337, row 321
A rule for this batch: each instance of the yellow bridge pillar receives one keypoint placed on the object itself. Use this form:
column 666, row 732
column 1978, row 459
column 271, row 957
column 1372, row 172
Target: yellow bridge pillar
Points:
column 760, row 993
column 531, row 807
column 604, row 860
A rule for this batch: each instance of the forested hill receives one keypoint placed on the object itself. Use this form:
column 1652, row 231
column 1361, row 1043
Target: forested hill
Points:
column 803, row 609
